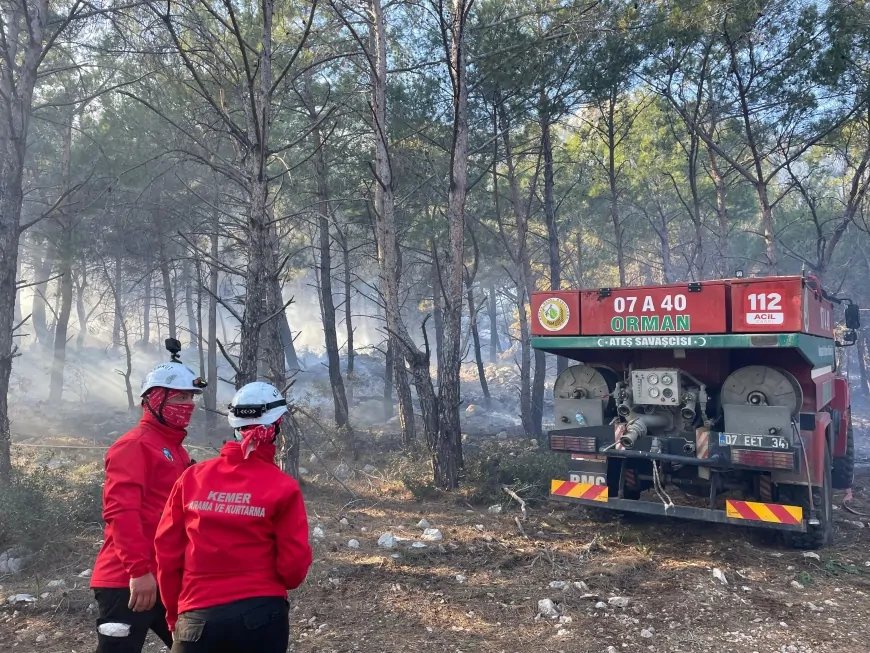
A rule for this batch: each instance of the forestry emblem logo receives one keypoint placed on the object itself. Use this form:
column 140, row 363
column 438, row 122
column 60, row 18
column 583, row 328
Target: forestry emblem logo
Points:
column 553, row 314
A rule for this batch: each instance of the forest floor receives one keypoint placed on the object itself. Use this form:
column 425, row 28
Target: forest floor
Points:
column 479, row 590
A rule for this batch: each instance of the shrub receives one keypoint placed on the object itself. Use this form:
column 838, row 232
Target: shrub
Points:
column 527, row 472
column 42, row 510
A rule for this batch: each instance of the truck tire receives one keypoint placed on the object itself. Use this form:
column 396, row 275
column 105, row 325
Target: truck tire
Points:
column 844, row 466
column 819, row 536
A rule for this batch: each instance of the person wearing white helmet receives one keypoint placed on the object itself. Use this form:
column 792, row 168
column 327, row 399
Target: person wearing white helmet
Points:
column 233, row 539
column 141, row 468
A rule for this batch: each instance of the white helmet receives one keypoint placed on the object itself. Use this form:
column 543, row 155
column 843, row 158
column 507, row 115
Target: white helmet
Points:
column 172, row 375
column 256, row 403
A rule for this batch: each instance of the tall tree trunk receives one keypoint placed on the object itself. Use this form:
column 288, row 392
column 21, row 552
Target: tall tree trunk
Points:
column 723, row 260
column 348, row 315
column 389, row 378
column 523, row 280
column 578, row 256
column 618, row 234
column 146, row 313
column 81, row 310
column 188, row 306
column 327, row 302
column 211, row 389
column 550, row 215
column 385, row 229
column 437, row 311
column 16, row 86
column 451, row 281
column 42, row 269
column 116, row 295
column 862, row 351
column 168, row 294
column 290, row 355
column 494, row 341
column 65, row 283
column 475, row 338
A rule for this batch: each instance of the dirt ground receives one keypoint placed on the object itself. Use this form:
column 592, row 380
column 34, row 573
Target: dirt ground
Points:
column 479, row 590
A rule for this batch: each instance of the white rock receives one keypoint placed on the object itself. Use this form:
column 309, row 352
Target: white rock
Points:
column 364, row 529
column 369, row 469
column 494, row 510
column 547, row 608
column 343, row 521
column 12, row 566
column 40, row 639
column 796, row 585
column 432, row 535
column 54, row 584
column 565, row 619
column 303, row 471
column 563, row 632
column 318, row 533
column 502, row 435
column 342, row 471
column 114, row 630
column 395, row 556
column 460, row 578
column 811, row 554
column 21, row 598
column 423, row 523
column 558, row 584
column 86, row 573
column 611, row 649
column 45, row 595
column 387, row 541
column 646, row 633
column 418, row 545
column 719, row 575
column 580, row 586
column 601, row 605
column 618, row 601
column 312, row 458
column 353, row 544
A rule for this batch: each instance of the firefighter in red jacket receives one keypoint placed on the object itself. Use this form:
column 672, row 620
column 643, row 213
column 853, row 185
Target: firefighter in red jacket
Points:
column 234, row 538
column 141, row 468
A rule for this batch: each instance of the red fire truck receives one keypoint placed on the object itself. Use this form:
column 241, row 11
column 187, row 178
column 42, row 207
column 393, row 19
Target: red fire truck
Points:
column 726, row 389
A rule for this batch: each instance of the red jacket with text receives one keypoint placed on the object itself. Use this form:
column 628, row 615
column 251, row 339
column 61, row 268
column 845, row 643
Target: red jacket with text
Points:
column 141, row 468
column 233, row 529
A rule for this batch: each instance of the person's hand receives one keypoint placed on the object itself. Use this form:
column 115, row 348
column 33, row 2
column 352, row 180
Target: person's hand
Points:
column 143, row 593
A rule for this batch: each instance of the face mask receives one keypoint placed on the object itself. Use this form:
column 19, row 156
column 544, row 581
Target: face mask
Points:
column 177, row 416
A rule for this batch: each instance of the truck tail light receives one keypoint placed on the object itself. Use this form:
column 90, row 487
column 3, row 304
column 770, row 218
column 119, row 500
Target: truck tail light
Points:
column 573, row 443
column 768, row 459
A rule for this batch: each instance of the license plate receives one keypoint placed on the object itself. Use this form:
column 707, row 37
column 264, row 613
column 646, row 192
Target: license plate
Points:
column 758, row 441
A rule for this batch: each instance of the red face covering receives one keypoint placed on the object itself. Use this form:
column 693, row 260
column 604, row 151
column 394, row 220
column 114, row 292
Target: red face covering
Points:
column 253, row 436
column 175, row 416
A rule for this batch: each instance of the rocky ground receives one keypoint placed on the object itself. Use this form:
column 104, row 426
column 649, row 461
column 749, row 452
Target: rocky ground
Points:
column 463, row 577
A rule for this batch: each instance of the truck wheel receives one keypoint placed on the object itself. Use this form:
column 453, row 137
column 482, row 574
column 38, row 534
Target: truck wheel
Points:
column 819, row 536
column 844, row 466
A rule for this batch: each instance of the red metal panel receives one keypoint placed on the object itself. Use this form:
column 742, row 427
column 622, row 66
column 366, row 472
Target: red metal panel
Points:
column 770, row 304
column 841, row 402
column 556, row 313
column 654, row 309
column 779, row 305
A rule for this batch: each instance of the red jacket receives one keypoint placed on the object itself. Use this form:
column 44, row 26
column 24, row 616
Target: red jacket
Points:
column 232, row 529
column 141, row 468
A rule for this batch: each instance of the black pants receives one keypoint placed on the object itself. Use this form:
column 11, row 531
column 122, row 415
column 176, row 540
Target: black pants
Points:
column 258, row 625
column 112, row 608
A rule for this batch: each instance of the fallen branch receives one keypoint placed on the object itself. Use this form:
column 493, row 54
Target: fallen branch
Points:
column 520, row 526
column 513, row 495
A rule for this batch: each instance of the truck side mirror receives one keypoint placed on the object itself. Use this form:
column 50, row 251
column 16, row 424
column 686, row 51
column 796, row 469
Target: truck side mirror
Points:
column 853, row 316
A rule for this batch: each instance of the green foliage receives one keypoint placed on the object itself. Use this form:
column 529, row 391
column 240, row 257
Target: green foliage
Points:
column 527, row 472
column 43, row 510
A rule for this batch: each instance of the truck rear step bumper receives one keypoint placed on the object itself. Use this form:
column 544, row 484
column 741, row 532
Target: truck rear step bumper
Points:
column 739, row 513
